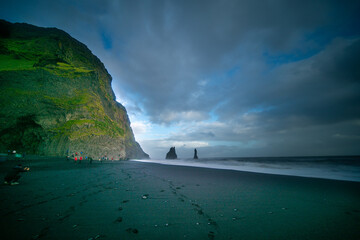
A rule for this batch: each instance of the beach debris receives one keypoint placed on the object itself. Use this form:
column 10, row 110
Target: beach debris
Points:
column 197, row 223
column 166, row 224
column 235, row 209
column 119, row 219
column 145, row 196
column 120, row 208
column 284, row 208
column 125, row 201
column 155, row 225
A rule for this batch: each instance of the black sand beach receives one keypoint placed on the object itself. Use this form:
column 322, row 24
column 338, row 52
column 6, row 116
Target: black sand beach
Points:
column 133, row 200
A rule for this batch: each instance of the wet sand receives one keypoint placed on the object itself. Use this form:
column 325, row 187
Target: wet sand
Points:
column 133, row 200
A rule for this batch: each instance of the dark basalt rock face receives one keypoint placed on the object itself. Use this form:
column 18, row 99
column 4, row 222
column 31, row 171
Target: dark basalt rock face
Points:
column 171, row 154
column 56, row 97
column 195, row 154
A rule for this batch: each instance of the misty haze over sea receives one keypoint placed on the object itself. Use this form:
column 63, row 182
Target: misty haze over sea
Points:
column 327, row 167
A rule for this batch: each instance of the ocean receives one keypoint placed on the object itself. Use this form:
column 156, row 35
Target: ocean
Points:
column 345, row 168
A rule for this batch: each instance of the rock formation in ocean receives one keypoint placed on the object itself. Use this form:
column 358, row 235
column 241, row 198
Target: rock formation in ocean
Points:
column 56, row 97
column 171, row 154
column 195, row 154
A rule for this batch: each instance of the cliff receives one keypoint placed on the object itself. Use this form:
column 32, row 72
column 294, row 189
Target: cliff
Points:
column 56, row 97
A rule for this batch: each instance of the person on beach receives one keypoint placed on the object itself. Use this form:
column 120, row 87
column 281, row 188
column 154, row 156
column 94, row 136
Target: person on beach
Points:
column 13, row 176
column 75, row 159
column 80, row 159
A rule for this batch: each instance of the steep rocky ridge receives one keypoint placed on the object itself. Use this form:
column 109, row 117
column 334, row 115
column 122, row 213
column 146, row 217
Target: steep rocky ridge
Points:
column 56, row 97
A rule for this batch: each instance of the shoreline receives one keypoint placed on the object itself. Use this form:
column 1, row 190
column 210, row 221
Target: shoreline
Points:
column 258, row 171
column 134, row 200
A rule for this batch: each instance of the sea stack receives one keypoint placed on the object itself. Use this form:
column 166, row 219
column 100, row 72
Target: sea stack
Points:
column 171, row 154
column 195, row 154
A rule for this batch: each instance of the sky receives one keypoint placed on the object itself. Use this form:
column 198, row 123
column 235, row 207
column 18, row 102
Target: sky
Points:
column 230, row 78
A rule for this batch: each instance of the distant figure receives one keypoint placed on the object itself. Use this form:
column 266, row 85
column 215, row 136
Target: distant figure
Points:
column 80, row 159
column 14, row 175
column 195, row 154
column 171, row 154
column 90, row 160
column 75, row 159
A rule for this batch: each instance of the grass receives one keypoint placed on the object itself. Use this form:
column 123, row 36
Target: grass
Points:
column 10, row 63
column 71, row 102
column 68, row 59
column 75, row 129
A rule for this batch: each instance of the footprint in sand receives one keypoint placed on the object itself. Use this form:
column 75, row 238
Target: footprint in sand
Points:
column 118, row 220
column 211, row 235
column 132, row 230
column 42, row 233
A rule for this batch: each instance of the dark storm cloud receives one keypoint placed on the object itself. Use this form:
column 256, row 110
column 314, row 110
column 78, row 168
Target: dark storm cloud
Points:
column 322, row 89
column 266, row 70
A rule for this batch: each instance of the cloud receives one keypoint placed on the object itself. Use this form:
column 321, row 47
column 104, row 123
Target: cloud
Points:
column 246, row 77
column 140, row 127
column 176, row 116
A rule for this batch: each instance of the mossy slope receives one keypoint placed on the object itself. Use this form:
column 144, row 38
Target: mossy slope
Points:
column 56, row 97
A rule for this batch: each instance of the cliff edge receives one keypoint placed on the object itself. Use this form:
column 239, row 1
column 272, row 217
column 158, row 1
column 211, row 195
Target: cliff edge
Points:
column 56, row 97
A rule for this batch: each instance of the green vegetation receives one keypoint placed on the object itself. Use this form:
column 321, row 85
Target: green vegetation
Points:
column 89, row 127
column 71, row 102
column 11, row 63
column 62, row 90
column 68, row 67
